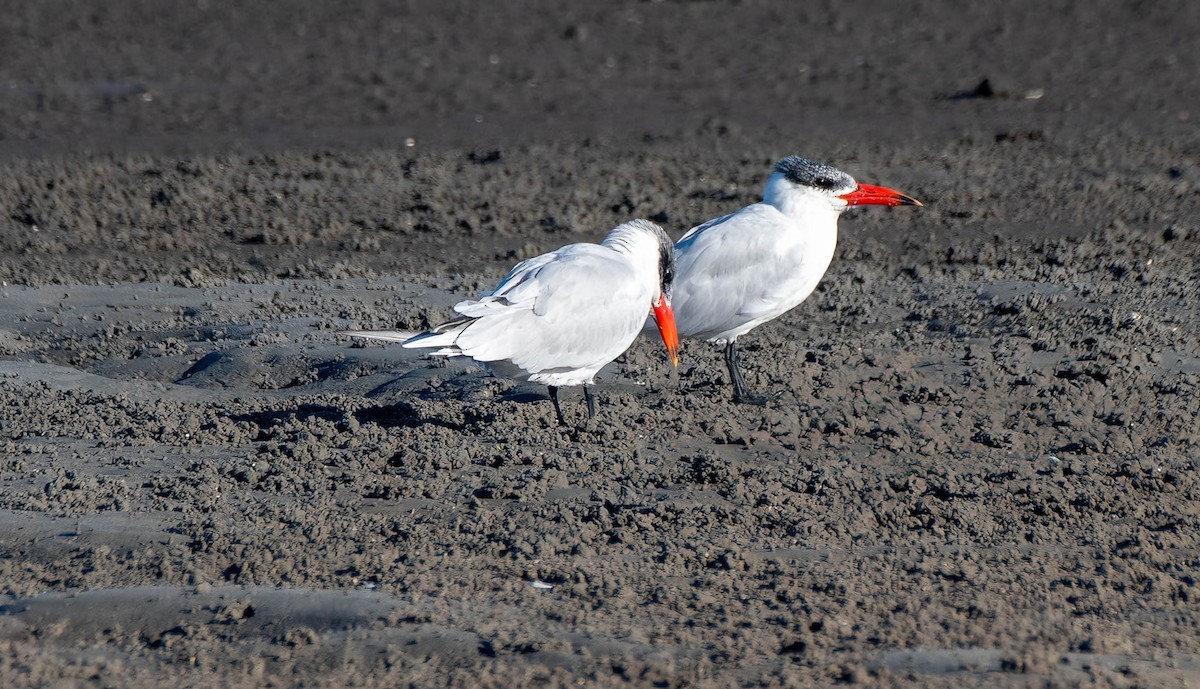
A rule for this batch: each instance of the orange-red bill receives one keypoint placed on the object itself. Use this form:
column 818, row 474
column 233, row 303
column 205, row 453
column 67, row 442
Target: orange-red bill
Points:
column 871, row 195
column 665, row 318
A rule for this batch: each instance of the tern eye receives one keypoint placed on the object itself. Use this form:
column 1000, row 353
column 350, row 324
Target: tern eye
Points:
column 666, row 267
column 824, row 183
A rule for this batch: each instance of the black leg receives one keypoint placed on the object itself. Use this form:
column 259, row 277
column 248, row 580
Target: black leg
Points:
column 587, row 395
column 735, row 376
column 740, row 393
column 557, row 409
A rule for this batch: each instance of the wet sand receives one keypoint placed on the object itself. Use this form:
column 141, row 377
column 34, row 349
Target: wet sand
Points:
column 979, row 468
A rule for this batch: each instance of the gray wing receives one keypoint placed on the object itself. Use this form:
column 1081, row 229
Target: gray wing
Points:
column 736, row 270
column 579, row 310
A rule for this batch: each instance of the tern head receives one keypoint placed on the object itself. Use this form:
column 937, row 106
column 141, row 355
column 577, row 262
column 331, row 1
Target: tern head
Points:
column 653, row 252
column 663, row 315
column 798, row 181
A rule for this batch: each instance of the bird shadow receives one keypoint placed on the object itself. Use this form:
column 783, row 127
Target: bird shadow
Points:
column 519, row 396
column 400, row 415
column 394, row 415
column 275, row 417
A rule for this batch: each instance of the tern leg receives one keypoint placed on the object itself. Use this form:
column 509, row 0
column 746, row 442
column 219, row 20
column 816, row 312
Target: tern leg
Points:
column 740, row 393
column 557, row 409
column 591, row 404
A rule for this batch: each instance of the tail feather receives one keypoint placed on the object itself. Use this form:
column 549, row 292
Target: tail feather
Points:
column 442, row 337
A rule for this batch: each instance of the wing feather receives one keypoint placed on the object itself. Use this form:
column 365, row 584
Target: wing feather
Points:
column 564, row 314
column 740, row 269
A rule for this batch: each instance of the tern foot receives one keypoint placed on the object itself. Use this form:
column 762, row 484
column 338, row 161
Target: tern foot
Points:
column 752, row 399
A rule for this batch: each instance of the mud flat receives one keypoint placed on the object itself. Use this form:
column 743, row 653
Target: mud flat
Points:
column 980, row 466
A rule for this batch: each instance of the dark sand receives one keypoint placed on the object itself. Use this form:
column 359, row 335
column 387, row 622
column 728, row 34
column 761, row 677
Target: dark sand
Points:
column 981, row 469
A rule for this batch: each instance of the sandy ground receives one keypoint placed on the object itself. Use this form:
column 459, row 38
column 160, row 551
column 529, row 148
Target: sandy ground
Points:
column 980, row 467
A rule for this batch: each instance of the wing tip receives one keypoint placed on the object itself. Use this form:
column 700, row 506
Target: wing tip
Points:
column 383, row 335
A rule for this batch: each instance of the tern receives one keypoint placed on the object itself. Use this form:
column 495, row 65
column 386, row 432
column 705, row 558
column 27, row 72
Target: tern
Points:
column 742, row 270
column 558, row 318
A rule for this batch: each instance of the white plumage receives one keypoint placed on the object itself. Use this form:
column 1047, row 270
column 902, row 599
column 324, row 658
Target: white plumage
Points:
column 742, row 270
column 745, row 269
column 558, row 318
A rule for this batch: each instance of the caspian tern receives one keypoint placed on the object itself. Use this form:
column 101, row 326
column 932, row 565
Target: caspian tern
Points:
column 557, row 318
column 742, row 270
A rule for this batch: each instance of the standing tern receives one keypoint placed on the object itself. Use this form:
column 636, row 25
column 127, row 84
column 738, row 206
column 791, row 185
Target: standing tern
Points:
column 742, row 270
column 557, row 318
